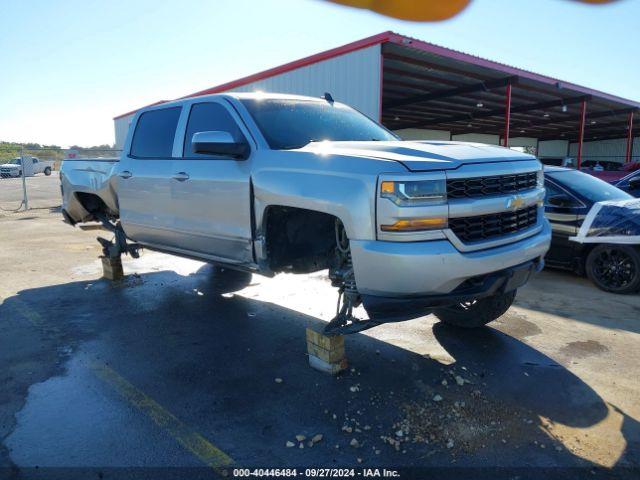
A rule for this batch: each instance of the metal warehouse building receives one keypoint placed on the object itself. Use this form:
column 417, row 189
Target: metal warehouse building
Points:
column 424, row 91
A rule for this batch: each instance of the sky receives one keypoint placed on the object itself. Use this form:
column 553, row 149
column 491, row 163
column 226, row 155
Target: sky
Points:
column 68, row 67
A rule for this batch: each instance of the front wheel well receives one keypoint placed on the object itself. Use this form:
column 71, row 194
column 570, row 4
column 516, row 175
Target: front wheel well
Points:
column 298, row 240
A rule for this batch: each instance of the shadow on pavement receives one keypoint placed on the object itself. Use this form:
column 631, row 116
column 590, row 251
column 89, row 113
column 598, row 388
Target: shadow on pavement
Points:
column 211, row 357
column 565, row 294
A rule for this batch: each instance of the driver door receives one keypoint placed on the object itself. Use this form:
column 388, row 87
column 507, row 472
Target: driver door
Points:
column 210, row 194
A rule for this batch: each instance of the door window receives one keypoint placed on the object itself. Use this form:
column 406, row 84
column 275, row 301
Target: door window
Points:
column 209, row 117
column 561, row 198
column 155, row 132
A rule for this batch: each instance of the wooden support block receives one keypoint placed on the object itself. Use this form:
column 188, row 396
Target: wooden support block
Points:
column 320, row 339
column 112, row 268
column 330, row 356
column 326, row 354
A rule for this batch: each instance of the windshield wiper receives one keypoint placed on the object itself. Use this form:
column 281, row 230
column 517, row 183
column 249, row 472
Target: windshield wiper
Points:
column 295, row 147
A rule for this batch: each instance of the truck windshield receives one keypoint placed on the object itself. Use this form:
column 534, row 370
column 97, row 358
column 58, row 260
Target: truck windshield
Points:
column 588, row 186
column 289, row 124
column 16, row 161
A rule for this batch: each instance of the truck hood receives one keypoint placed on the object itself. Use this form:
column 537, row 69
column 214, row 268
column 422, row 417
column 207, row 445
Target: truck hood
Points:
column 10, row 165
column 421, row 156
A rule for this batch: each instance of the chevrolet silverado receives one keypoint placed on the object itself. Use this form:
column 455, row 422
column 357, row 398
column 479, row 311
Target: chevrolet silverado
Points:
column 271, row 183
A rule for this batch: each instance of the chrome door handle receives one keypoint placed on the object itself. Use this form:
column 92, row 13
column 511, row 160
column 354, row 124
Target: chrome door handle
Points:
column 126, row 174
column 181, row 176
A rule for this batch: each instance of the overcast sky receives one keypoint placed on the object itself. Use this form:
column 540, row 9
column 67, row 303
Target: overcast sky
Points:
column 68, row 67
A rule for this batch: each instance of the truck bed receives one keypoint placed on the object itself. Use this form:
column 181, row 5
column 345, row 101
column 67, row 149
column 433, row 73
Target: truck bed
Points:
column 90, row 176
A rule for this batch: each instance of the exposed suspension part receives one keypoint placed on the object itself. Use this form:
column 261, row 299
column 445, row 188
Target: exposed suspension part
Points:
column 116, row 247
column 343, row 277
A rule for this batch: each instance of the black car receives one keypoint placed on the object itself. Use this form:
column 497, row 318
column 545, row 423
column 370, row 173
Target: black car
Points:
column 570, row 195
column 630, row 183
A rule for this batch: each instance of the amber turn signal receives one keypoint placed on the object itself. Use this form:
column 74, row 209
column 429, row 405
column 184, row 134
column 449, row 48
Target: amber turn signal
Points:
column 415, row 225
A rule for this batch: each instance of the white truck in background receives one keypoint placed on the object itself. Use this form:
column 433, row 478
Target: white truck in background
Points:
column 31, row 165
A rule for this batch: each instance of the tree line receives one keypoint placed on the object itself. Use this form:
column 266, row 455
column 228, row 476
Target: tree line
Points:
column 9, row 150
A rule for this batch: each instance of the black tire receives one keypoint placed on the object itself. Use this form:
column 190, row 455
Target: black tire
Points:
column 614, row 268
column 477, row 313
column 19, row 173
column 47, row 171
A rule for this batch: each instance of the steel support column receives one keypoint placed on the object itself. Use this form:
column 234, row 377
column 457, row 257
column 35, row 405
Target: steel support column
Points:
column 627, row 157
column 583, row 117
column 507, row 116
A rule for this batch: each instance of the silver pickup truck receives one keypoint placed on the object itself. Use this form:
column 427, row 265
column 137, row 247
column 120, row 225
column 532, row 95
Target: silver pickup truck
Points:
column 271, row 183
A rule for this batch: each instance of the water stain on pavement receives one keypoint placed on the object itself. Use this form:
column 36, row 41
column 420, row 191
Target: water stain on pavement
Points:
column 516, row 325
column 583, row 349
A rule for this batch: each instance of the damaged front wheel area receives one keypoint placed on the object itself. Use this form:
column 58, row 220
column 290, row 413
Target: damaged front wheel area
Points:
column 342, row 276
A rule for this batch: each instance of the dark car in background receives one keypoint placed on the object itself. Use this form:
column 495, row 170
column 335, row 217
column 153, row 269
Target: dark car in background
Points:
column 630, row 183
column 570, row 194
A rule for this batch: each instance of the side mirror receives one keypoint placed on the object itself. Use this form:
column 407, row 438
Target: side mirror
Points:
column 562, row 201
column 218, row 143
column 634, row 183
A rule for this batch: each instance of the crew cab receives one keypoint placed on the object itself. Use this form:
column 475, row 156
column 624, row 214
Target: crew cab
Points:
column 271, row 183
column 30, row 166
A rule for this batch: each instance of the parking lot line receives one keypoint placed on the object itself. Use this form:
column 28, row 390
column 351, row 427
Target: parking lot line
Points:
column 192, row 441
column 204, row 450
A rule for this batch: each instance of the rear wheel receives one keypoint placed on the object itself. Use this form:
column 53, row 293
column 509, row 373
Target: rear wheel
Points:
column 614, row 268
column 47, row 171
column 476, row 313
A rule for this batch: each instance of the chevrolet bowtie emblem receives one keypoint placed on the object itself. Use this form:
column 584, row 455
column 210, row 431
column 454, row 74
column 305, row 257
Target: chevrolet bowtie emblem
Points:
column 515, row 203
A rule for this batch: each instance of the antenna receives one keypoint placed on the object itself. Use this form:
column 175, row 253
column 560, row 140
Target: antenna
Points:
column 327, row 96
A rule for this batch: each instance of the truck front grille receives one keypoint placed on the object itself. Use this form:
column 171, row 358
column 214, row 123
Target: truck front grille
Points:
column 485, row 227
column 485, row 186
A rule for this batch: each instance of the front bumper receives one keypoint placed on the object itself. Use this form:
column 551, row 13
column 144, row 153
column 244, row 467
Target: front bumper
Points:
column 494, row 283
column 9, row 174
column 420, row 269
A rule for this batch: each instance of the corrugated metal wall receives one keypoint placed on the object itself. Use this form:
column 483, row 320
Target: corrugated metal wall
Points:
column 121, row 126
column 423, row 134
column 606, row 150
column 352, row 78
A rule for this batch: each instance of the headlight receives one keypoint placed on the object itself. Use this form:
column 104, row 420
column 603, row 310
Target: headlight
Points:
column 540, row 179
column 415, row 193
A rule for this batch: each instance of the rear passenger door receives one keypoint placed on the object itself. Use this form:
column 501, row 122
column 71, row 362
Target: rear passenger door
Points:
column 144, row 179
column 211, row 194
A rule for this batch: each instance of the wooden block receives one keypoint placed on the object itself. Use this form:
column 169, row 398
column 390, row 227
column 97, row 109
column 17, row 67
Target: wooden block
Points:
column 327, row 367
column 326, row 354
column 330, row 356
column 328, row 343
column 112, row 268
